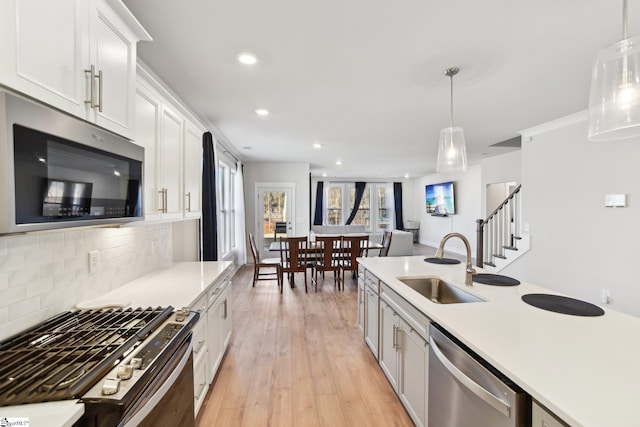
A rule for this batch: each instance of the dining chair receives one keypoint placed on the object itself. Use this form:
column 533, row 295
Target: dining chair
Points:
column 293, row 258
column 327, row 257
column 386, row 243
column 351, row 248
column 259, row 264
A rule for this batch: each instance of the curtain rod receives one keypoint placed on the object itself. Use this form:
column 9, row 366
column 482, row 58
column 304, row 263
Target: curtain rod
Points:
column 227, row 151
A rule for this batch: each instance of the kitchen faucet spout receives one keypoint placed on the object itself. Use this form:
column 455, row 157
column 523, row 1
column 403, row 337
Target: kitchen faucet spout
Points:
column 468, row 280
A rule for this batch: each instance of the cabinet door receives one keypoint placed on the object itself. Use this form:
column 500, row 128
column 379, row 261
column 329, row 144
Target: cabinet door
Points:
column 414, row 364
column 541, row 418
column 147, row 134
column 214, row 341
column 170, row 165
column 225, row 318
column 361, row 297
column 192, row 171
column 388, row 347
column 44, row 50
column 113, row 53
column 371, row 323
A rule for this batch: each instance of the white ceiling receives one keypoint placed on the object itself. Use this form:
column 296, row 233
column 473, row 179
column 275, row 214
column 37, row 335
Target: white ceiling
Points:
column 365, row 79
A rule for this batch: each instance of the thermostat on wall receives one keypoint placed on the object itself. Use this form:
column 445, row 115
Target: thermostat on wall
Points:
column 615, row 200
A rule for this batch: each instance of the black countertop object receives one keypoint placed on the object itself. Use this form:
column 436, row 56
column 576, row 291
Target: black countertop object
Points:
column 435, row 260
column 563, row 305
column 495, row 280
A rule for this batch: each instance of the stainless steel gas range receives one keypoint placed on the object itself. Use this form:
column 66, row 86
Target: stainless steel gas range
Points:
column 129, row 367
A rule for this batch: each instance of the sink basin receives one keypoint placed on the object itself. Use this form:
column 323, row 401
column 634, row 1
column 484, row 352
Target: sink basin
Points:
column 438, row 291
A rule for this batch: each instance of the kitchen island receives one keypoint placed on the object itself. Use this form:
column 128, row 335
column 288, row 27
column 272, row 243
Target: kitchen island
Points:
column 584, row 369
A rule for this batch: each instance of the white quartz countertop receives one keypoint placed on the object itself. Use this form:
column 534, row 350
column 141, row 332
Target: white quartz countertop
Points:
column 59, row 414
column 179, row 286
column 584, row 369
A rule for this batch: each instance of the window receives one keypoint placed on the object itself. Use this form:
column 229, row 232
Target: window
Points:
column 227, row 219
column 334, row 206
column 375, row 210
column 364, row 210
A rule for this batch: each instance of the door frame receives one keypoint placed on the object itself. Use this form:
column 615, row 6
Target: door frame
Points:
column 261, row 186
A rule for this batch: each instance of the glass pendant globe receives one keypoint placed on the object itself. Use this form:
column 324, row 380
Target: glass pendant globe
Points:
column 614, row 101
column 452, row 153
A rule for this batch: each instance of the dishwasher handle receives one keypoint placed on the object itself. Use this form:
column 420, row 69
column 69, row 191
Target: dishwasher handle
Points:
column 503, row 407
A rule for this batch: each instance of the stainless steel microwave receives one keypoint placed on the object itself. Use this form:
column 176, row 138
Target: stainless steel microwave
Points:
column 59, row 171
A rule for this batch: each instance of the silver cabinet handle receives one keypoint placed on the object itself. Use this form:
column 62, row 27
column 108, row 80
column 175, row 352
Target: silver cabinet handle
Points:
column 395, row 337
column 501, row 406
column 200, row 344
column 189, row 201
column 161, row 192
column 91, row 101
column 224, row 316
column 99, row 91
column 399, row 338
column 200, row 388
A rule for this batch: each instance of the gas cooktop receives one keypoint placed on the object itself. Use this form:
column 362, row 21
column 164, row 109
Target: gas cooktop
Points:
column 64, row 356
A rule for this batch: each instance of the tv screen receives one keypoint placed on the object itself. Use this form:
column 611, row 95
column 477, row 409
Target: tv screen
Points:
column 440, row 199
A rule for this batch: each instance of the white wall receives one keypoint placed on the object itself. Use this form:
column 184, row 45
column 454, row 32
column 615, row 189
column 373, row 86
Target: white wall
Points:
column 468, row 195
column 503, row 168
column 297, row 173
column 578, row 246
column 43, row 274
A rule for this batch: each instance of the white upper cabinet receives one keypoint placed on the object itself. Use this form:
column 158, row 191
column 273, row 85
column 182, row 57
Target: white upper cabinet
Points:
column 192, row 170
column 172, row 140
column 147, row 134
column 76, row 55
column 170, row 163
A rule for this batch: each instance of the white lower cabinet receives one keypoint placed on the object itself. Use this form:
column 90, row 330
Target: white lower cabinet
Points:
column 540, row 417
column 371, row 319
column 404, row 352
column 361, row 297
column 200, row 360
column 219, row 325
column 211, row 335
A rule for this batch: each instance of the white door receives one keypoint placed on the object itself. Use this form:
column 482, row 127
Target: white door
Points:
column 274, row 207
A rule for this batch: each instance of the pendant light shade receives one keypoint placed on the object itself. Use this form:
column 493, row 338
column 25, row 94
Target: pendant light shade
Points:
column 452, row 153
column 614, row 100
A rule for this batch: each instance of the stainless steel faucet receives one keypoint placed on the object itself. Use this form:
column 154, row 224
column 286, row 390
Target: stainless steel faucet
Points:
column 468, row 280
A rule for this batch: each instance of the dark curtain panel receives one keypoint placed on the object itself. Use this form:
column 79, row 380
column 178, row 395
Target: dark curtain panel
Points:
column 209, row 208
column 360, row 186
column 397, row 204
column 317, row 218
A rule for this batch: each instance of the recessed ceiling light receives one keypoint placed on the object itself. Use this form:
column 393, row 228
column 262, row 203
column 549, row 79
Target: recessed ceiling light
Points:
column 324, row 174
column 317, row 146
column 262, row 112
column 338, row 162
column 406, row 175
column 247, row 58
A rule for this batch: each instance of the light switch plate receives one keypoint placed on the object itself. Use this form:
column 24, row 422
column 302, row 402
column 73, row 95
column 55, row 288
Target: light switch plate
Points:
column 615, row 200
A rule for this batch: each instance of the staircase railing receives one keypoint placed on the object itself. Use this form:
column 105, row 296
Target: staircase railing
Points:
column 499, row 231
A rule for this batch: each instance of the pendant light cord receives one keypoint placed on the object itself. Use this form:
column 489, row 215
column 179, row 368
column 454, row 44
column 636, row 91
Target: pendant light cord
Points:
column 451, row 114
column 624, row 19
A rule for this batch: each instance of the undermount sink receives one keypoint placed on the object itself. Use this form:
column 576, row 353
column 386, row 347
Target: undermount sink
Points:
column 438, row 291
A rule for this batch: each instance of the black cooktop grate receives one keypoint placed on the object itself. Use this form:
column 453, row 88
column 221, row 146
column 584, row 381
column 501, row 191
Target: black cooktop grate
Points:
column 64, row 356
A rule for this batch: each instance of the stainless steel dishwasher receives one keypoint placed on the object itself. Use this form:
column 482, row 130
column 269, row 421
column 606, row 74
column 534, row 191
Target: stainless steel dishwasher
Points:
column 465, row 390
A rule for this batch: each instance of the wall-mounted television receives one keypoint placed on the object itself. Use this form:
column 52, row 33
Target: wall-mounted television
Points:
column 440, row 199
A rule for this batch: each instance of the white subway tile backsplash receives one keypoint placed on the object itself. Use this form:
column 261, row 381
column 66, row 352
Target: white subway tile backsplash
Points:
column 39, row 287
column 12, row 261
column 43, row 274
column 24, row 308
column 23, row 276
column 12, row 295
column 21, row 243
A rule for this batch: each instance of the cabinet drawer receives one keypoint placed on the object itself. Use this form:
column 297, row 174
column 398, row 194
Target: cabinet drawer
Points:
column 372, row 282
column 199, row 339
column 200, row 383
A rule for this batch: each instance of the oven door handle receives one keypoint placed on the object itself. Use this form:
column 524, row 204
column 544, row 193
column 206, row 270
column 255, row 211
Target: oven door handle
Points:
column 159, row 394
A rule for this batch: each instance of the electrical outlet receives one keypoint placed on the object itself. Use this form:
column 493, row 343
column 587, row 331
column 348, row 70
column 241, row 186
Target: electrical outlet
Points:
column 605, row 296
column 93, row 261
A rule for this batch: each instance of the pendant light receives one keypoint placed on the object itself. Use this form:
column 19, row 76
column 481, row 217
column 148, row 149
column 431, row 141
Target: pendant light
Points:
column 614, row 101
column 452, row 154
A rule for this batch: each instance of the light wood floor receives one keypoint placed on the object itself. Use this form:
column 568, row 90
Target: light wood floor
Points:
column 298, row 360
